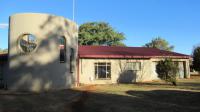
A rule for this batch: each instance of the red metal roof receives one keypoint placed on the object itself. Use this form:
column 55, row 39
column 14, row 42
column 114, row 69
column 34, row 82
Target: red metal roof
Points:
column 118, row 52
column 125, row 52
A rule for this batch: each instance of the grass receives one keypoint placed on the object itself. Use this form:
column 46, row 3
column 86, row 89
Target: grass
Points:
column 141, row 97
column 145, row 97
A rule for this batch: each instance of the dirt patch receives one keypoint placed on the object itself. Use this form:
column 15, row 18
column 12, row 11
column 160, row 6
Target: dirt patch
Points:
column 195, row 76
column 78, row 104
column 88, row 88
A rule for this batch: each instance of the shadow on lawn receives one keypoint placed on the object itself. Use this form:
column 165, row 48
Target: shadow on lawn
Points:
column 180, row 85
column 84, row 101
column 170, row 97
column 191, row 86
column 158, row 100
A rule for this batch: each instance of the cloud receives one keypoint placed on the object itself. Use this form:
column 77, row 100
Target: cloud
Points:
column 3, row 25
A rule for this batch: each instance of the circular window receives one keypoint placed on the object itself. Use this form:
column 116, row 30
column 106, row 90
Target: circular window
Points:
column 28, row 43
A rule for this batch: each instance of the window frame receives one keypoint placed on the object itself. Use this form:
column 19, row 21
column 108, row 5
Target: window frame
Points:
column 140, row 66
column 96, row 69
column 19, row 43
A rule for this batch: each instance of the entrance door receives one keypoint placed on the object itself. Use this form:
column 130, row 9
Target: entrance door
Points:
column 181, row 70
column 154, row 73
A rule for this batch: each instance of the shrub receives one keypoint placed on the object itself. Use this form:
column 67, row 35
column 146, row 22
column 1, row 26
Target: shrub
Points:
column 196, row 58
column 167, row 70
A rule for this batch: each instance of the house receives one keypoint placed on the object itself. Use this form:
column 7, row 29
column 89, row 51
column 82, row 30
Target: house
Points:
column 43, row 54
column 106, row 64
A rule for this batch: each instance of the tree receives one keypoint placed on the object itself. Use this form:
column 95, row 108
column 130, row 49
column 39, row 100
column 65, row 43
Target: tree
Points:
column 160, row 44
column 99, row 33
column 196, row 58
column 167, row 70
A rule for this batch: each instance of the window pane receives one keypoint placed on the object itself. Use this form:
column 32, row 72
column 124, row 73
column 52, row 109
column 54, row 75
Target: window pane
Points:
column 72, row 60
column 129, row 66
column 102, row 70
column 133, row 66
column 62, row 41
column 62, row 55
column 108, row 72
column 28, row 43
column 62, row 46
column 96, row 73
column 137, row 66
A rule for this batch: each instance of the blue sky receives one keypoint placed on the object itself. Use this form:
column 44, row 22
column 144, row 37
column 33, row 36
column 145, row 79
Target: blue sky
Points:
column 177, row 21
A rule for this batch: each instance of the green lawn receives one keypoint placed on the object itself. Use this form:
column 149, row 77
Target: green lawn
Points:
column 141, row 97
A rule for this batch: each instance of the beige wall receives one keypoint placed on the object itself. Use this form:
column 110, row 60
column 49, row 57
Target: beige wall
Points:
column 186, row 65
column 146, row 73
column 40, row 69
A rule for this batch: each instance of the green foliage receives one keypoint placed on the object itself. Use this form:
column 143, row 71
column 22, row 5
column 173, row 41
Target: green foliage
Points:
column 99, row 33
column 159, row 43
column 196, row 58
column 167, row 70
